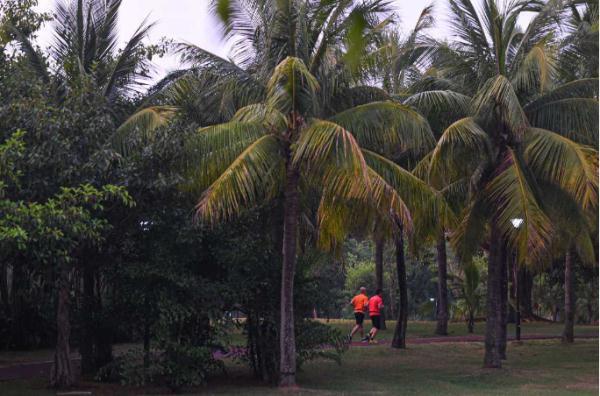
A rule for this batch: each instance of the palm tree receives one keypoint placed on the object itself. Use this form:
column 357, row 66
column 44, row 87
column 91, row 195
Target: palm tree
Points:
column 296, row 123
column 270, row 150
column 86, row 48
column 579, row 48
column 507, row 151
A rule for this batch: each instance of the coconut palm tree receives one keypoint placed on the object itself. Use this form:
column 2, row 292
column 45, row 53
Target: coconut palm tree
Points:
column 296, row 123
column 86, row 49
column 271, row 149
column 524, row 136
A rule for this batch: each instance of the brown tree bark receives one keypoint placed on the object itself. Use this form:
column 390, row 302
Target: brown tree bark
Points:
column 399, row 340
column 86, row 345
column 525, row 285
column 442, row 287
column 492, row 358
column 379, row 249
column 287, row 341
column 568, row 331
column 503, row 313
column 61, row 375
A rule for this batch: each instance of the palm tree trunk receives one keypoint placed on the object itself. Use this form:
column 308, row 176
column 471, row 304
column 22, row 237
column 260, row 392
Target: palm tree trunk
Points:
column 525, row 286
column 399, row 340
column 492, row 357
column 471, row 322
column 568, row 332
column 62, row 372
column 287, row 342
column 442, row 306
column 503, row 313
column 379, row 248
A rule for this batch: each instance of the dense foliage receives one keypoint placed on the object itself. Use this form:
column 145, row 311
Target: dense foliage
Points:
column 245, row 196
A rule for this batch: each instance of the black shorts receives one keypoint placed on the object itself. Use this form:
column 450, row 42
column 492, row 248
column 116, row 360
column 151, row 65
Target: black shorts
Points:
column 359, row 316
column 376, row 321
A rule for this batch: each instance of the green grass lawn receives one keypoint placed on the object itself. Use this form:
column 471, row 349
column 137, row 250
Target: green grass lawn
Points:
column 532, row 368
column 420, row 329
column 426, row 328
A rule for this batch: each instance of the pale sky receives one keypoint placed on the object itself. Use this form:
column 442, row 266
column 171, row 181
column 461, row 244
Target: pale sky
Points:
column 190, row 21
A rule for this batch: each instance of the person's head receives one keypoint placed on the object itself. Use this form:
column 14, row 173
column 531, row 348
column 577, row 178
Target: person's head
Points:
column 363, row 290
column 378, row 292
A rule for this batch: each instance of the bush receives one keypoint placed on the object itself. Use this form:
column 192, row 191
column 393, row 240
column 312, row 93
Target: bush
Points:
column 316, row 340
column 176, row 366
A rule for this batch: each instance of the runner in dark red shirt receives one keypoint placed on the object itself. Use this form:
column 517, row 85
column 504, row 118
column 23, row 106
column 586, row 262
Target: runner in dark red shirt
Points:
column 375, row 306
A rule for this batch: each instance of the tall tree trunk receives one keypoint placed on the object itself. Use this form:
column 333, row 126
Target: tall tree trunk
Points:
column 442, row 297
column 399, row 340
column 471, row 322
column 4, row 289
column 525, row 285
column 86, row 344
column 568, row 332
column 492, row 357
column 61, row 375
column 379, row 248
column 287, row 341
column 503, row 314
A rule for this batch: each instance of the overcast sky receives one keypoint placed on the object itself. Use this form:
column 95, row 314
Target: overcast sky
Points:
column 190, row 21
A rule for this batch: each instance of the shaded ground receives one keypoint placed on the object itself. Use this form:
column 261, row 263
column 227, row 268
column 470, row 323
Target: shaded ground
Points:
column 533, row 368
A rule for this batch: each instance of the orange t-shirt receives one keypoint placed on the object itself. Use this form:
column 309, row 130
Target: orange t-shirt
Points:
column 360, row 302
column 374, row 303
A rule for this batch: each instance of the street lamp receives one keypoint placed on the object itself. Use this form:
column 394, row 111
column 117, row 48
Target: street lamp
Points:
column 517, row 222
column 434, row 307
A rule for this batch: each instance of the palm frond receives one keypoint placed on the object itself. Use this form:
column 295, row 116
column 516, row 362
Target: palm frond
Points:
column 255, row 175
column 259, row 112
column 440, row 107
column 387, row 127
column 537, row 71
column 35, row 59
column 458, row 152
column 212, row 150
column 570, row 109
column 497, row 101
column 292, row 87
column 468, row 236
column 324, row 144
column 125, row 72
column 141, row 125
column 558, row 160
column 511, row 196
column 428, row 208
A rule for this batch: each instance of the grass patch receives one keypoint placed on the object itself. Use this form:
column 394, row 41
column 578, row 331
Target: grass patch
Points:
column 532, row 368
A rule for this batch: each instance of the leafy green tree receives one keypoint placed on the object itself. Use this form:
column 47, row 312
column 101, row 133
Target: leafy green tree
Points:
column 50, row 233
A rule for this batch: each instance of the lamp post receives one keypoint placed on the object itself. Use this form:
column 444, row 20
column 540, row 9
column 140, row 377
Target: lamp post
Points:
column 517, row 223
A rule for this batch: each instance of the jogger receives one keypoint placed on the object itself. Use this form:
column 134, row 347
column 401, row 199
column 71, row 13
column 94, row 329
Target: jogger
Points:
column 375, row 306
column 360, row 303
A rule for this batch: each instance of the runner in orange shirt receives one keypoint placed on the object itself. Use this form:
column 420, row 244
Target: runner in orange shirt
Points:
column 360, row 303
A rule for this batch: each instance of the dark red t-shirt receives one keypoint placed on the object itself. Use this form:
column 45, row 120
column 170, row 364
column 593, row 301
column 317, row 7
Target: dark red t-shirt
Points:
column 375, row 303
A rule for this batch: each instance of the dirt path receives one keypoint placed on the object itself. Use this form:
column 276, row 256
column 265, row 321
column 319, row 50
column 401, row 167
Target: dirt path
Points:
column 42, row 369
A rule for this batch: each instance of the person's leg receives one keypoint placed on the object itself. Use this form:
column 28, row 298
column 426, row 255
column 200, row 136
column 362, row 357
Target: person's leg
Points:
column 358, row 326
column 376, row 323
